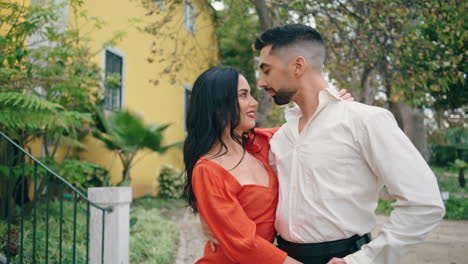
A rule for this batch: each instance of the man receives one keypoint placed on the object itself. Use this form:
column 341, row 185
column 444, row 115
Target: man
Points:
column 333, row 157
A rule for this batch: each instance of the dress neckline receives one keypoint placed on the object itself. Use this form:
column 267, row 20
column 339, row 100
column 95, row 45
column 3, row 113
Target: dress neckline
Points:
column 269, row 172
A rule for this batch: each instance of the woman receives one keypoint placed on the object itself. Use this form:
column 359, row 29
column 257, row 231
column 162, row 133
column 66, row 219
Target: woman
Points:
column 229, row 181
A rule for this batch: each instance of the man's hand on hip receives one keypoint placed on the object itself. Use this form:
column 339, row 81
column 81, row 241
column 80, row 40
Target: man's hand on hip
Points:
column 207, row 232
column 337, row 261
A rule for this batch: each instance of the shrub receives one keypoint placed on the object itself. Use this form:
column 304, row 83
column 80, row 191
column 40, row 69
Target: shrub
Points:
column 153, row 239
column 53, row 234
column 456, row 208
column 171, row 184
column 83, row 174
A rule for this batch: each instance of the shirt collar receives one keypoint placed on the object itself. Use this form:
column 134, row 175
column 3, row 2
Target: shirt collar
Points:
column 326, row 96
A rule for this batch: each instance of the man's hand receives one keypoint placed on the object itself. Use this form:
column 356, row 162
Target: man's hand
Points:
column 345, row 96
column 207, row 232
column 336, row 261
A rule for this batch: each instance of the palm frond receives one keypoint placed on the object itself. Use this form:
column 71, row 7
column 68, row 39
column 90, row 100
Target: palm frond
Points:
column 126, row 131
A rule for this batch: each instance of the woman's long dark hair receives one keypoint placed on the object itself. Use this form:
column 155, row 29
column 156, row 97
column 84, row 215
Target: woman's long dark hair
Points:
column 213, row 106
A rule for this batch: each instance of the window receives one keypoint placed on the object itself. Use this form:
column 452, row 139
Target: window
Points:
column 113, row 76
column 189, row 17
column 187, row 95
column 160, row 4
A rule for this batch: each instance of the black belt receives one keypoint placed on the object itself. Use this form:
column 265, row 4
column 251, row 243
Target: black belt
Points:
column 348, row 245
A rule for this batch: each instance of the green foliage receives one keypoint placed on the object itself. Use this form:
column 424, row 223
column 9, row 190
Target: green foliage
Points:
column 153, row 239
column 18, row 101
column 127, row 134
column 18, row 22
column 18, row 170
column 168, row 31
column 31, row 113
column 48, row 87
column 405, row 49
column 437, row 61
column 457, row 204
column 445, row 155
column 236, row 29
column 275, row 117
column 447, row 179
column 384, row 207
column 456, row 208
column 460, row 164
column 53, row 242
column 457, row 137
column 171, row 184
column 150, row 202
column 83, row 174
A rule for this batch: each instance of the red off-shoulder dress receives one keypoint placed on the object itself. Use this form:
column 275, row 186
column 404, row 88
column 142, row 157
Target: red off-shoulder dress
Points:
column 241, row 217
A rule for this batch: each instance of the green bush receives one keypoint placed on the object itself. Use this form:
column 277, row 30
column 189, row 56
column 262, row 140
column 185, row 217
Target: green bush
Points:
column 171, row 184
column 153, row 239
column 151, row 202
column 83, row 174
column 443, row 155
column 448, row 181
column 456, row 208
column 53, row 234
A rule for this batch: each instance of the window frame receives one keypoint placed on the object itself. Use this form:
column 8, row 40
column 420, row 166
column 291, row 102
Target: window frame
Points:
column 122, row 55
column 190, row 17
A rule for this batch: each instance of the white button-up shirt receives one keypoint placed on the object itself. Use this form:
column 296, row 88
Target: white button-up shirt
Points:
column 331, row 173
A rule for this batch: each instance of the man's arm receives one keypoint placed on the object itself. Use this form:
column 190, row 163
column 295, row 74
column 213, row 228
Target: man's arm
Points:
column 213, row 242
column 408, row 178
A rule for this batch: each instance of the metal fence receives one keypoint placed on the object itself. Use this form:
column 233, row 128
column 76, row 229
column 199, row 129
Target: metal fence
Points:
column 43, row 218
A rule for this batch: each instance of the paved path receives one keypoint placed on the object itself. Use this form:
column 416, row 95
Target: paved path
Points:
column 447, row 244
column 191, row 240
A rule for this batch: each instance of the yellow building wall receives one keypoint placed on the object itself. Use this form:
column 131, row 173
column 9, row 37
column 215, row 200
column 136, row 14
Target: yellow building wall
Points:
column 161, row 103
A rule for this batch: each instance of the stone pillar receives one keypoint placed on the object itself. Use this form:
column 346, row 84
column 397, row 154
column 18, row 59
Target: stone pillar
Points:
column 116, row 225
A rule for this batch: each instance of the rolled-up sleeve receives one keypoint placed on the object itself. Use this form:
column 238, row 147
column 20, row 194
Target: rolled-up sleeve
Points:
column 408, row 178
column 235, row 232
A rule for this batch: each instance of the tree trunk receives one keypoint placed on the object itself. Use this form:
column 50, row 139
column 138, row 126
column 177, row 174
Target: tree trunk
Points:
column 410, row 120
column 393, row 107
column 367, row 94
column 413, row 126
column 461, row 175
column 125, row 174
column 264, row 100
column 461, row 178
column 264, row 17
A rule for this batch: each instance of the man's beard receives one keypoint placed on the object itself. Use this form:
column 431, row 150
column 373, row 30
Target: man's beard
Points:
column 282, row 98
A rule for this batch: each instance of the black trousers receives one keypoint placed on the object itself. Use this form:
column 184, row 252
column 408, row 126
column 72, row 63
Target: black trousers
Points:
column 321, row 253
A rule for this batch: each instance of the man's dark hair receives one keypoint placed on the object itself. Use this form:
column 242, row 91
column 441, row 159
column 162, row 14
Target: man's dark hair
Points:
column 286, row 35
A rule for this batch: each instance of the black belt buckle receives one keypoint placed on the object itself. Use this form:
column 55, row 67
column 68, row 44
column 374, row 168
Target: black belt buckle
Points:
column 361, row 242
